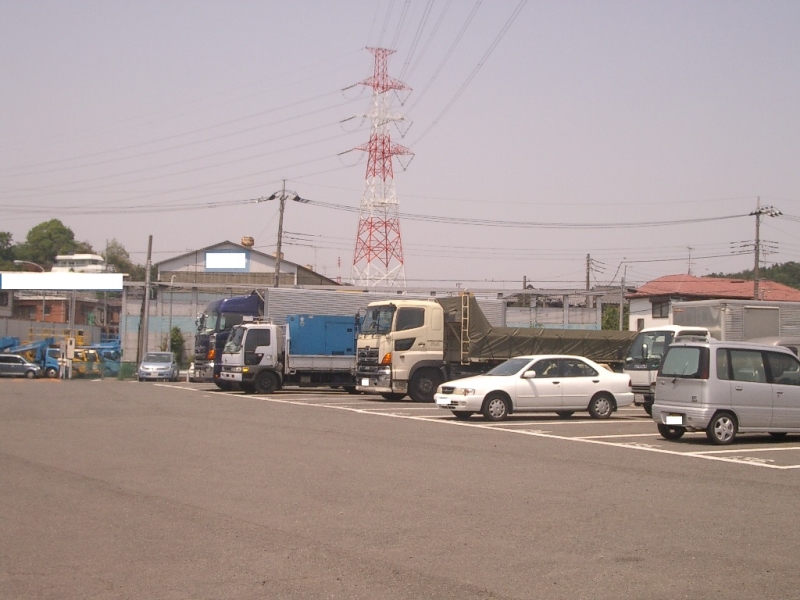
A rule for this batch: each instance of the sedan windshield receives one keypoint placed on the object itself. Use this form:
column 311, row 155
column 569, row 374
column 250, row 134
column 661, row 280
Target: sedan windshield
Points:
column 511, row 367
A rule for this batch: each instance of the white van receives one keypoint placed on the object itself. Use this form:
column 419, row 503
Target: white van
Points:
column 725, row 388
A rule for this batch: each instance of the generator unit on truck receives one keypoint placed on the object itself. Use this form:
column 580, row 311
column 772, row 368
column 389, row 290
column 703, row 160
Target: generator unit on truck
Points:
column 410, row 347
column 213, row 327
column 309, row 351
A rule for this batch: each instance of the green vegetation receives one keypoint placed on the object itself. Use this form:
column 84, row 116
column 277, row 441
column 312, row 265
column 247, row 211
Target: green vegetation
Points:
column 787, row 273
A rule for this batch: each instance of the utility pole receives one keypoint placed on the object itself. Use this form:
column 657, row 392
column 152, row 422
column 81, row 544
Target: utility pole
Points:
column 280, row 235
column 283, row 195
column 146, row 315
column 770, row 211
column 588, row 271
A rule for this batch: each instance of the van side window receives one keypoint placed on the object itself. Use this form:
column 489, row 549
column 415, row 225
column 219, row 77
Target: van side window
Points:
column 723, row 372
column 748, row 365
column 785, row 369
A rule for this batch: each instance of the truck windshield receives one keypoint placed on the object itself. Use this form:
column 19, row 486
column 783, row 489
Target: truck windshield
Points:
column 378, row 319
column 649, row 346
column 234, row 343
column 208, row 322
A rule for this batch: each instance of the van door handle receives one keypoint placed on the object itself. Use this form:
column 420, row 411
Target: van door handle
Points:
column 779, row 392
column 738, row 388
column 556, row 382
column 595, row 381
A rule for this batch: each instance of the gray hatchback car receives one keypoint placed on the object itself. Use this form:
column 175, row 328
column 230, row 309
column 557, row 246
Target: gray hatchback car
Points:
column 158, row 366
column 726, row 388
column 13, row 365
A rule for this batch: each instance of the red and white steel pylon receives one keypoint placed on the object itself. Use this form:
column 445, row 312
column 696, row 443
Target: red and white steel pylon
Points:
column 378, row 256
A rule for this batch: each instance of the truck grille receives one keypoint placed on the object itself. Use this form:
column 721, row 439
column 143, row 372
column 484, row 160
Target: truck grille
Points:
column 368, row 356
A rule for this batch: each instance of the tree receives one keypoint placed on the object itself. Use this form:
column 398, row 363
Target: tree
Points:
column 611, row 317
column 118, row 256
column 6, row 251
column 46, row 240
column 174, row 343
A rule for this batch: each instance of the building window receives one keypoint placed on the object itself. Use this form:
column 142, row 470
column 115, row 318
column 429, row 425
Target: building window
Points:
column 639, row 324
column 661, row 309
column 3, row 298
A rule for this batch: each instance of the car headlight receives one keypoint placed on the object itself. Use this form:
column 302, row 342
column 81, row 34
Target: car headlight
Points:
column 464, row 391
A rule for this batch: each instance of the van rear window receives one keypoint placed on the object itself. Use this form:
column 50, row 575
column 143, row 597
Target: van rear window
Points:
column 687, row 362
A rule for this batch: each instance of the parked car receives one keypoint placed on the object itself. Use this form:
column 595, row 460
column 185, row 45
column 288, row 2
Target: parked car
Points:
column 158, row 366
column 552, row 383
column 13, row 365
column 726, row 388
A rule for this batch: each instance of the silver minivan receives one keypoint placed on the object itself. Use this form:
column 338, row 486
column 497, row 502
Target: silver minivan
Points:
column 725, row 388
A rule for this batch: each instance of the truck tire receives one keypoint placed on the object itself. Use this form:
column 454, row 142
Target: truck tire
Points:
column 51, row 372
column 392, row 397
column 225, row 386
column 423, row 385
column 266, row 382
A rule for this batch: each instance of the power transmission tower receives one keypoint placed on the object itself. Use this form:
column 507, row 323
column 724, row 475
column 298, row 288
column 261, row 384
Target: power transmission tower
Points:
column 378, row 256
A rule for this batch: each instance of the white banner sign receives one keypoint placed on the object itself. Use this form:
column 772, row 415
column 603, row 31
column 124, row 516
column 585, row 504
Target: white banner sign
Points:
column 104, row 282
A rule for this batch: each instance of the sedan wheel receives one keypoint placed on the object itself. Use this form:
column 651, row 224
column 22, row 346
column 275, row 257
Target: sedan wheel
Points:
column 495, row 408
column 30, row 374
column 601, row 406
column 722, row 429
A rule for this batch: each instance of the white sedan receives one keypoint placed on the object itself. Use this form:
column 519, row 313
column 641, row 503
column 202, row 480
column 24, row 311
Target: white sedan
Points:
column 551, row 383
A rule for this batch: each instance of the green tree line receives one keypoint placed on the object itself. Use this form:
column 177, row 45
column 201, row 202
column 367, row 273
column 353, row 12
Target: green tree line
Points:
column 47, row 240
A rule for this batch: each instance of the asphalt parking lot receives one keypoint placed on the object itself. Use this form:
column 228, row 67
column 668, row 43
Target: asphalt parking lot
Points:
column 130, row 490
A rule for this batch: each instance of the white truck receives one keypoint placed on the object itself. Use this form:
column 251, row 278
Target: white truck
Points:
column 644, row 358
column 410, row 347
column 724, row 320
column 309, row 351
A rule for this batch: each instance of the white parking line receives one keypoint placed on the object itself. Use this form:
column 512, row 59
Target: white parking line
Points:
column 746, row 450
column 703, row 455
column 621, row 435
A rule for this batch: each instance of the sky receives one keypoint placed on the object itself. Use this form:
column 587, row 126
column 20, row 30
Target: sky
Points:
column 642, row 134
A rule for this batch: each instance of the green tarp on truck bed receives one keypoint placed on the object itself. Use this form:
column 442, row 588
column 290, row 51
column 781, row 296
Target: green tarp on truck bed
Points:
column 487, row 343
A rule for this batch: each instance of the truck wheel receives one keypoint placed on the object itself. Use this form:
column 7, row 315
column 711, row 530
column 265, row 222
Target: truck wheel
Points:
column 648, row 408
column 722, row 429
column 225, row 386
column 671, row 432
column 423, row 385
column 495, row 407
column 351, row 389
column 51, row 372
column 601, row 406
column 266, row 382
column 565, row 414
column 393, row 397
column 462, row 415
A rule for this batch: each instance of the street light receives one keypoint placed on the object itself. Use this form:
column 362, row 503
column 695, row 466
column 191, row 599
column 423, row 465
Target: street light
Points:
column 41, row 268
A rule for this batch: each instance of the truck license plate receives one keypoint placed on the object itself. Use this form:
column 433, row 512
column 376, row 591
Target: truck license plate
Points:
column 365, row 382
column 674, row 420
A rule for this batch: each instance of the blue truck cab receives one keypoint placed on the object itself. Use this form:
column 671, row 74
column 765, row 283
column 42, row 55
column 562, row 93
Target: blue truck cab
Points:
column 213, row 328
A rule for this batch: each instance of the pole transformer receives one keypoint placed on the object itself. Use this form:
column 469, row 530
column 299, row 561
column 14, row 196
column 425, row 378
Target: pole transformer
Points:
column 378, row 255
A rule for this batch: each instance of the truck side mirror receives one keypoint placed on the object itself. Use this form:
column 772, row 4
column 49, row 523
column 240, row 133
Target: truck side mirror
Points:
column 645, row 351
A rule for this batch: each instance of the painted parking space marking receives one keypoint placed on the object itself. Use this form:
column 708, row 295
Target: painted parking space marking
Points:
column 739, row 456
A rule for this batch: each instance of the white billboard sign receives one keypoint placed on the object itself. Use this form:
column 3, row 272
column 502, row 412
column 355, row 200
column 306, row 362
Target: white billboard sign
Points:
column 103, row 282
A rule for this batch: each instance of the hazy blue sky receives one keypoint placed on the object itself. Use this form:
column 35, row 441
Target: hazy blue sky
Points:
column 125, row 119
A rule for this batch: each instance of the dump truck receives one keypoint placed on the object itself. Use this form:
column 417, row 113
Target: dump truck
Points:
column 410, row 347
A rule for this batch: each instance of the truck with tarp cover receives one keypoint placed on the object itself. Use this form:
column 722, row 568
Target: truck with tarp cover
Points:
column 410, row 347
